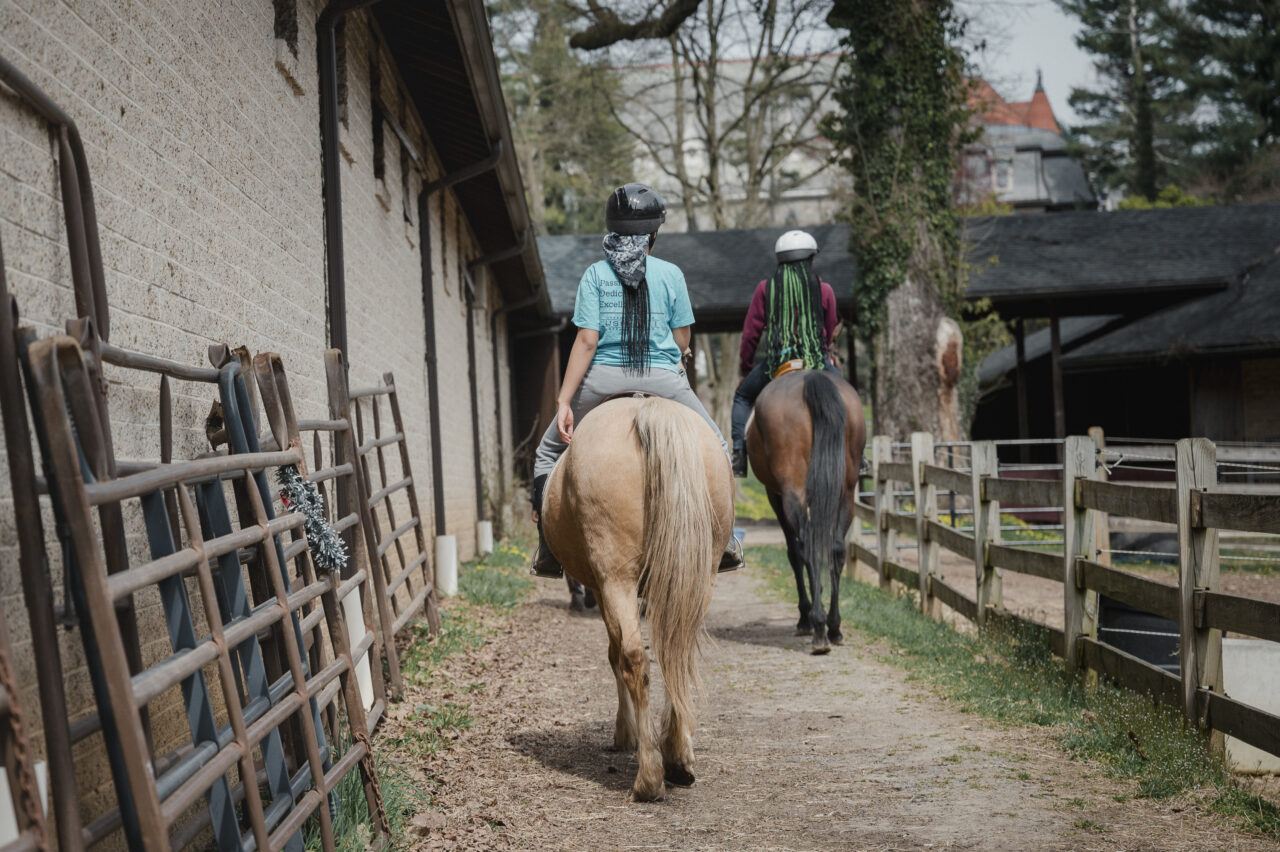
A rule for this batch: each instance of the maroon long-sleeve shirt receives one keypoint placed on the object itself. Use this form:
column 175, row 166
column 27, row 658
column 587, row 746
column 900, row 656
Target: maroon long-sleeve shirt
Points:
column 753, row 328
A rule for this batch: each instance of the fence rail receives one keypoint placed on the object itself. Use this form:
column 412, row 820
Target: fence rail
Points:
column 1084, row 496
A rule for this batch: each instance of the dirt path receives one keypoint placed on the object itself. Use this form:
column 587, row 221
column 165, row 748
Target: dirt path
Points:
column 794, row 752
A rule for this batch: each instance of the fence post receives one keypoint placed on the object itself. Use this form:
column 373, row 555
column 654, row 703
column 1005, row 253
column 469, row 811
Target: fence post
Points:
column 1201, row 648
column 1101, row 520
column 882, row 451
column 986, row 525
column 926, row 497
column 1079, row 462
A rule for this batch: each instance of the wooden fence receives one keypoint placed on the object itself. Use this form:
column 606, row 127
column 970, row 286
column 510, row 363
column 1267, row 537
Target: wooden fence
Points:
column 1083, row 496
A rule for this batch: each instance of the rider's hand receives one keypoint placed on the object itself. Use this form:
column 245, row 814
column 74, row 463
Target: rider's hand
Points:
column 564, row 422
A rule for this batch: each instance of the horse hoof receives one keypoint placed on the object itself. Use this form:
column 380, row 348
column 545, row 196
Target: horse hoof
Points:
column 576, row 604
column 589, row 599
column 678, row 776
column 836, row 638
column 803, row 627
column 640, row 794
column 819, row 650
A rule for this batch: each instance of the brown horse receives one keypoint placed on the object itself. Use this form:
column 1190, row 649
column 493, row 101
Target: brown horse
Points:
column 642, row 503
column 805, row 441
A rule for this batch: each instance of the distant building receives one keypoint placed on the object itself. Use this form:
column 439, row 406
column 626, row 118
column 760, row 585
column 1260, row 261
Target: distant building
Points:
column 1021, row 158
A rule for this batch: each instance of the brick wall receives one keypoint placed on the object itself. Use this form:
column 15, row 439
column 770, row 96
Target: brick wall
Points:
column 202, row 135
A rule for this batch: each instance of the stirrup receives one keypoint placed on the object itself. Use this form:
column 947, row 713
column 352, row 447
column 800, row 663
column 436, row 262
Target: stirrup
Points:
column 545, row 564
column 732, row 558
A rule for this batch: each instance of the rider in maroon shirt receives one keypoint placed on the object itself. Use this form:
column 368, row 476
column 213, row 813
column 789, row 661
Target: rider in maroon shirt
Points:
column 792, row 324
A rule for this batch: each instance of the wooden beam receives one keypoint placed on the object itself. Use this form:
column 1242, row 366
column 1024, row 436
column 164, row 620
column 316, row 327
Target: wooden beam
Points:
column 1238, row 614
column 1055, row 358
column 1080, row 607
column 1201, row 647
column 886, row 539
column 1141, row 592
column 1020, row 379
column 1022, row 492
column 1236, row 511
column 1022, row 561
column 952, row 539
column 953, row 598
column 983, row 463
column 1148, row 502
column 1136, row 674
column 926, row 512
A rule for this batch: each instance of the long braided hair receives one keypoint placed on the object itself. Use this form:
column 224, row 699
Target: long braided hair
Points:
column 635, row 329
column 793, row 316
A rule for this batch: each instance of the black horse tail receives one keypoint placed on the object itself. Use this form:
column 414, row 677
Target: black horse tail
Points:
column 824, row 483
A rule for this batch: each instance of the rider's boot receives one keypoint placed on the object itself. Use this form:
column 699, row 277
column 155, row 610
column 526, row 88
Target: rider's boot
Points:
column 544, row 563
column 739, row 461
column 732, row 558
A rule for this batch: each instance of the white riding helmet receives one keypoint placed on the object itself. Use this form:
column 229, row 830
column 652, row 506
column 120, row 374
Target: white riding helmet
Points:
column 795, row 245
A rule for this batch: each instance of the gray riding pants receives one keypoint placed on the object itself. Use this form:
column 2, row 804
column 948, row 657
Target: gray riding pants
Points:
column 603, row 381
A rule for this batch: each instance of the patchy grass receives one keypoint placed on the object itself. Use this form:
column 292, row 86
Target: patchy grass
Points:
column 432, row 729
column 497, row 579
column 752, row 504
column 401, row 799
column 1012, row 677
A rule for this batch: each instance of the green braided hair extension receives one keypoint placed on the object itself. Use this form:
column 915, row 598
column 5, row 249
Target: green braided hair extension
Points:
column 793, row 315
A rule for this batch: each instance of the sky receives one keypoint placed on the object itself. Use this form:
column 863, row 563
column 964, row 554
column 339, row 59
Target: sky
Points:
column 1029, row 34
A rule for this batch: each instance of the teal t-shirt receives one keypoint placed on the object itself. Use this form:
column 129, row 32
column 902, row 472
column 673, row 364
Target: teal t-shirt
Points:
column 598, row 306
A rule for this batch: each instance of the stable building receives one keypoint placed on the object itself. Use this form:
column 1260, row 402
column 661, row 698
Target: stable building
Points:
column 287, row 176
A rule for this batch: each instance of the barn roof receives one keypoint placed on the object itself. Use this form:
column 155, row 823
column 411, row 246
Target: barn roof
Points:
column 1129, row 261
column 722, row 268
column 444, row 52
column 1244, row 319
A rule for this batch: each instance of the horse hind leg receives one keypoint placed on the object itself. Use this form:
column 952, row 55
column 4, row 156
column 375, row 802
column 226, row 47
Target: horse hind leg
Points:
column 624, row 732
column 677, row 749
column 796, row 557
column 837, row 569
column 618, row 607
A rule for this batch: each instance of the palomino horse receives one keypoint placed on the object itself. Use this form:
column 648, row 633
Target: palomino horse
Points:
column 805, row 441
column 642, row 504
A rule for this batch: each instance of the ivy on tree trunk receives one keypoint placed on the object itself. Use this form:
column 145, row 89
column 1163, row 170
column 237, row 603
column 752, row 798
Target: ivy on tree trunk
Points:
column 902, row 121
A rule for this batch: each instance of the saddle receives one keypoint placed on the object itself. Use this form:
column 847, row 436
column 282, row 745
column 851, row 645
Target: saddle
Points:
column 631, row 394
column 788, row 367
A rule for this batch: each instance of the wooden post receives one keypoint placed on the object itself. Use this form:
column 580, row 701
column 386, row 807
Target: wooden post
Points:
column 986, row 527
column 1101, row 520
column 926, row 497
column 1020, row 380
column 1201, row 648
column 1059, row 404
column 882, row 451
column 1077, row 534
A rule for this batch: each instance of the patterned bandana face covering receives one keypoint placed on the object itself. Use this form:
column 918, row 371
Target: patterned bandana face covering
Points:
column 626, row 254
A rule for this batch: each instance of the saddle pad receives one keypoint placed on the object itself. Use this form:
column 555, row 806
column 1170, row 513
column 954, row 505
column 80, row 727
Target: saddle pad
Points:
column 789, row 367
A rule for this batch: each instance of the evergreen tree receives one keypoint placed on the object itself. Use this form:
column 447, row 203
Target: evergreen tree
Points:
column 1230, row 50
column 1138, row 129
column 570, row 147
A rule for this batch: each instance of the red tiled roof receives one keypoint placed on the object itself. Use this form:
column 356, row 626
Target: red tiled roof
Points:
column 996, row 110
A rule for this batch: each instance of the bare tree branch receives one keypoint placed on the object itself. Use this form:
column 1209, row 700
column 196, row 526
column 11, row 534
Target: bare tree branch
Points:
column 607, row 28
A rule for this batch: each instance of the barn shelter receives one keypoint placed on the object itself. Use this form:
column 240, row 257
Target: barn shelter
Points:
column 1157, row 323
column 1160, row 323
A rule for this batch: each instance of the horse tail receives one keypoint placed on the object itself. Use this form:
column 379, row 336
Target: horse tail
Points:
column 678, row 562
column 824, row 483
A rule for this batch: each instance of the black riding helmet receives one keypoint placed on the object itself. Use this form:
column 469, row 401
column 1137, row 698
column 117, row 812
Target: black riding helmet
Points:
column 635, row 209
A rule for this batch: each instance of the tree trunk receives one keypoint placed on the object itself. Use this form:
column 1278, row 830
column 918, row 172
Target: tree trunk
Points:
column 918, row 357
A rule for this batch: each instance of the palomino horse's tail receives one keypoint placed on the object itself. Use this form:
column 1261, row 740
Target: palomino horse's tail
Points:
column 678, row 565
column 825, row 481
